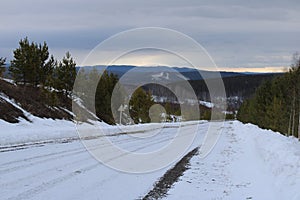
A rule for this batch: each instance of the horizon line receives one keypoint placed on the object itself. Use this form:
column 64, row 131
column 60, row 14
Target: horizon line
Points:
column 269, row 69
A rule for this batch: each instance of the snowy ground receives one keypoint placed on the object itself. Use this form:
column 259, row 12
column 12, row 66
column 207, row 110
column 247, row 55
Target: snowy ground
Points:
column 68, row 171
column 247, row 163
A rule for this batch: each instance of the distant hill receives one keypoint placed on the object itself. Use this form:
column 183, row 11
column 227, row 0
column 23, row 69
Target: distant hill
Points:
column 188, row 73
column 236, row 84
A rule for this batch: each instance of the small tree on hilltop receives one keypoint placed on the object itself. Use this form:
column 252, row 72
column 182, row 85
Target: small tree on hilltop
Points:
column 65, row 74
column 31, row 63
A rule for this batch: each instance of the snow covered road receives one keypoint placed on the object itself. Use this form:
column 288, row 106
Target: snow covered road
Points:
column 247, row 163
column 68, row 171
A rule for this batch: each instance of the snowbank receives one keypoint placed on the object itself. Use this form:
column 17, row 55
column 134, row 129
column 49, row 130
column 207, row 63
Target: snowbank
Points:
column 246, row 163
column 282, row 156
column 37, row 131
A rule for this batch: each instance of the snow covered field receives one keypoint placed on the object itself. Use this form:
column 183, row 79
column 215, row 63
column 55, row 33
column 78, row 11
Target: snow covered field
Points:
column 247, row 163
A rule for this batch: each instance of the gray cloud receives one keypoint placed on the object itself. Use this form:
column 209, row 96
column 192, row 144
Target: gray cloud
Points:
column 235, row 32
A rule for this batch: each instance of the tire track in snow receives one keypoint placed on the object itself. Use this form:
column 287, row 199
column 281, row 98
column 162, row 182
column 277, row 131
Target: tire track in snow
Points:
column 65, row 164
column 162, row 186
column 56, row 155
column 52, row 183
column 20, row 147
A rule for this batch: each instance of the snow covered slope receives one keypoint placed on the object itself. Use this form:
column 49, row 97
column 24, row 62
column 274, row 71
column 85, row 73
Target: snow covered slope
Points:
column 247, row 163
column 17, row 102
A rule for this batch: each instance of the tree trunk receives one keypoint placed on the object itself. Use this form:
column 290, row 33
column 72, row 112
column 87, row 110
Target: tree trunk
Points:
column 290, row 124
column 298, row 134
column 294, row 113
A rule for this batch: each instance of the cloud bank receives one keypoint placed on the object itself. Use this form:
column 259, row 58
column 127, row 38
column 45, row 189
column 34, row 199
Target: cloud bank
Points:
column 237, row 34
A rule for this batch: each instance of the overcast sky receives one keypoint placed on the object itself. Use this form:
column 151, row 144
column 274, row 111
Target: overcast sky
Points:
column 240, row 35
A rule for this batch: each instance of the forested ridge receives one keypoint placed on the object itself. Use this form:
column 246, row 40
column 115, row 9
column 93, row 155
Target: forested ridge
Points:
column 276, row 103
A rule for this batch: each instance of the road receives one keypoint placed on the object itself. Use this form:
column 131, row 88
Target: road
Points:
column 68, row 171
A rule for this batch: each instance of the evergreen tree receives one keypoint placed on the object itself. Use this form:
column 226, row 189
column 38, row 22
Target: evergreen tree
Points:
column 47, row 72
column 139, row 106
column 88, row 86
column 82, row 81
column 65, row 74
column 169, row 111
column 276, row 103
column 2, row 66
column 103, row 95
column 30, row 64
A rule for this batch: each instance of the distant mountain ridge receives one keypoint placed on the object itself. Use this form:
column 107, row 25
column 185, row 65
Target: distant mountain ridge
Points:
column 188, row 73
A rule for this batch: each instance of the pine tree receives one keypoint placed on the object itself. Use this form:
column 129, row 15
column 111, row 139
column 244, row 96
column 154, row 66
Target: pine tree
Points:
column 2, row 66
column 47, row 72
column 89, row 86
column 139, row 106
column 65, row 74
column 168, row 109
column 103, row 95
column 276, row 103
column 30, row 64
column 82, row 83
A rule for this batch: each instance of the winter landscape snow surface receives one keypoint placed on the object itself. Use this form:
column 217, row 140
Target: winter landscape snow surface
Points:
column 246, row 163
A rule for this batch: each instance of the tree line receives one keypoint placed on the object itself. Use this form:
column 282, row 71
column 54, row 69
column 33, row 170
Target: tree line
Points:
column 32, row 65
column 276, row 103
column 105, row 108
